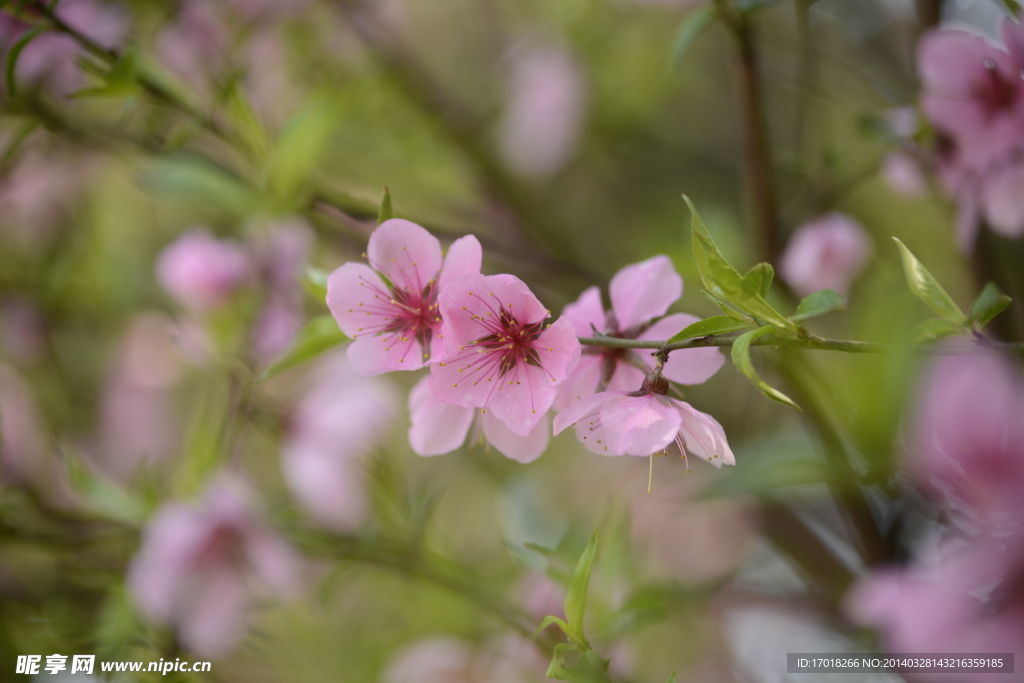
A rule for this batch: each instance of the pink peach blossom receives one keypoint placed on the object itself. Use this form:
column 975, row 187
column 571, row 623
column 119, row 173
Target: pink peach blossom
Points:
column 1002, row 201
column 200, row 271
column 545, row 109
column 278, row 254
column 827, row 252
column 645, row 422
column 199, row 565
column 390, row 307
column 967, row 436
column 438, row 428
column 973, row 93
column 639, row 293
column 967, row 600
column 499, row 354
column 137, row 421
column 337, row 423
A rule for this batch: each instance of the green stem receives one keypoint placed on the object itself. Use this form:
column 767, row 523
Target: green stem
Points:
column 812, row 343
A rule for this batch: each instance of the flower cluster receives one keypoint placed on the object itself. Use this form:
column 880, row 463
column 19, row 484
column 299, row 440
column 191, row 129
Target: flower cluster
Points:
column 497, row 366
column 973, row 102
column 962, row 590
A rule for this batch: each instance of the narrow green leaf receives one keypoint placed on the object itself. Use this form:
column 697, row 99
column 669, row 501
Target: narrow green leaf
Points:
column 12, row 58
column 927, row 288
column 726, row 308
column 672, row 678
column 315, row 282
column 386, row 212
column 691, row 27
column 320, row 334
column 935, row 329
column 719, row 324
column 760, row 479
column 245, row 122
column 576, row 595
column 725, row 283
column 299, row 149
column 758, row 279
column 741, row 359
column 548, row 620
column 819, row 303
column 193, row 180
column 990, row 303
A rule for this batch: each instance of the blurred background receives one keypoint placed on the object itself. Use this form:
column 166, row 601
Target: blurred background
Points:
column 177, row 178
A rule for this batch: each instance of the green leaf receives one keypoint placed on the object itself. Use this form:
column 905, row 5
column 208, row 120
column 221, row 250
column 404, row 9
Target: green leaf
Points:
column 935, row 329
column 548, row 620
column 315, row 283
column 299, row 149
column 195, row 180
column 726, row 284
column 100, row 495
column 758, row 279
column 990, row 303
column 245, row 122
column 569, row 663
column 576, row 595
column 819, row 303
column 1011, row 7
column 690, row 28
column 672, row 678
column 386, row 212
column 719, row 324
column 927, row 288
column 320, row 334
column 203, row 444
column 12, row 58
column 741, row 359
column 726, row 308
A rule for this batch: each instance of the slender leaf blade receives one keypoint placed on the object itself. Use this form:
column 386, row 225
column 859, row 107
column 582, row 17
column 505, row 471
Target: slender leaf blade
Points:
column 927, row 288
column 719, row 324
column 12, row 58
column 319, row 335
column 990, row 303
column 689, row 30
column 758, row 279
column 819, row 303
column 386, row 211
column 741, row 359
column 935, row 329
column 576, row 595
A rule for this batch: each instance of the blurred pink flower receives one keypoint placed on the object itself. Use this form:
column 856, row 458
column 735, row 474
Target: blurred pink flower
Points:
column 545, row 109
column 137, row 420
column 1002, row 199
column 498, row 354
column 540, row 595
column 438, row 428
column 645, row 422
column 335, row 425
column 38, row 194
column 22, row 330
column 967, row 439
column 200, row 271
column 192, row 46
column 973, row 93
column 433, row 660
column 904, row 175
column 639, row 293
column 49, row 59
column 199, row 566
column 279, row 253
column 970, row 600
column 395, row 322
column 23, row 446
column 827, row 252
